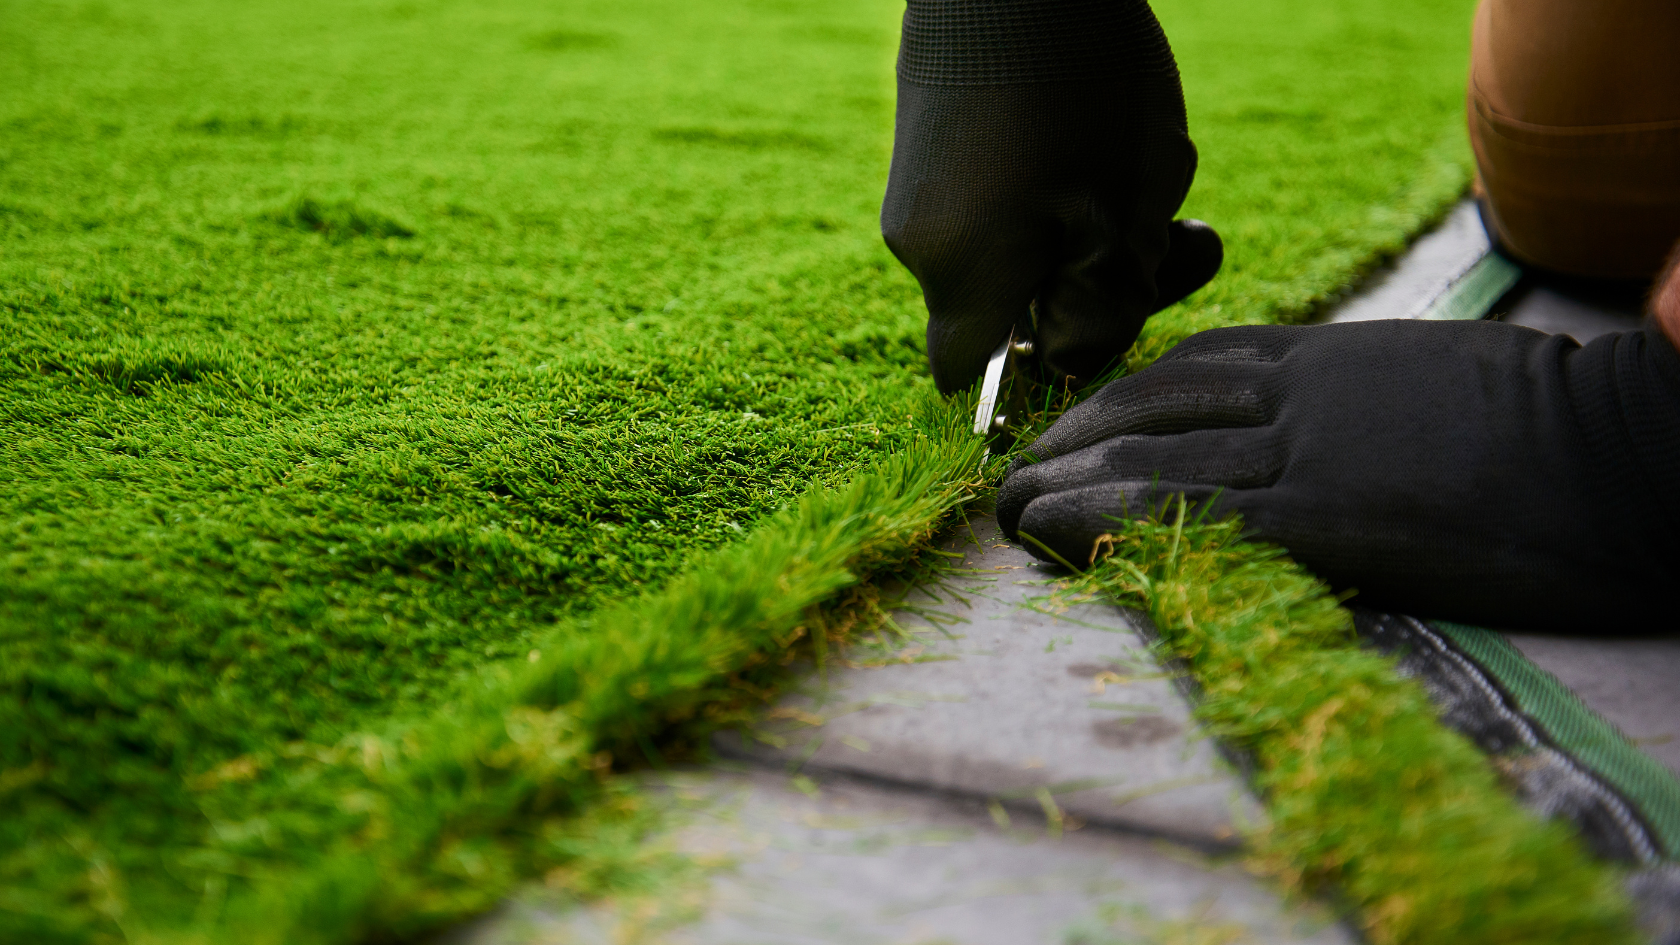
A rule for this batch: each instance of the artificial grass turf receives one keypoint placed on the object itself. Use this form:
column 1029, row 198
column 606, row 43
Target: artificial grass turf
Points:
column 352, row 350
column 1368, row 796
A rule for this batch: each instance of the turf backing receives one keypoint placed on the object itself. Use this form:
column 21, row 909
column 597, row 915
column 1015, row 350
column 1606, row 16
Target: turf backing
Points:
column 352, row 349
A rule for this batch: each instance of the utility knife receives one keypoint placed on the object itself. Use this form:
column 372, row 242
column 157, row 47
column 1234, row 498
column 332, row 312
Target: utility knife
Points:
column 1003, row 393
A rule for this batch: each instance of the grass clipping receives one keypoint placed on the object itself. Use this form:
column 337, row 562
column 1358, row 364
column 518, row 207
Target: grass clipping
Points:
column 1369, row 797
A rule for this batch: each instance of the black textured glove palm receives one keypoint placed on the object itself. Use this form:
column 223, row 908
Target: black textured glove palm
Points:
column 1040, row 155
column 1467, row 470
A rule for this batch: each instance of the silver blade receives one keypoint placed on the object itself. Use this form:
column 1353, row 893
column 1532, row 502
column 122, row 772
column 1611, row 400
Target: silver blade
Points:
column 989, row 386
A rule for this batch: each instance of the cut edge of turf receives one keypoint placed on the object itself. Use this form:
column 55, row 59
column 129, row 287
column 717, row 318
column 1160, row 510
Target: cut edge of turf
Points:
column 448, row 811
column 1370, row 798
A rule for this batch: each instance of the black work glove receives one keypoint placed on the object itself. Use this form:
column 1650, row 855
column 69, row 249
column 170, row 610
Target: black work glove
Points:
column 1040, row 155
column 1475, row 471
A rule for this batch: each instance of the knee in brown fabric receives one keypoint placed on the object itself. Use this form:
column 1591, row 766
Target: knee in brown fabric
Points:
column 1574, row 112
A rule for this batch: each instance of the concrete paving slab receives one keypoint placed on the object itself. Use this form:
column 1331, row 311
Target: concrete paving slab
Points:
column 1559, row 307
column 841, row 860
column 1012, row 694
column 1635, row 684
column 1555, row 305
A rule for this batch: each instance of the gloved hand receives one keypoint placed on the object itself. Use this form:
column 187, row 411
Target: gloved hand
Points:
column 1040, row 155
column 1475, row 471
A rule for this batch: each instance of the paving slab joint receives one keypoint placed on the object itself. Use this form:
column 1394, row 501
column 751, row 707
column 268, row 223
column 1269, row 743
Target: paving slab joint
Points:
column 1024, row 801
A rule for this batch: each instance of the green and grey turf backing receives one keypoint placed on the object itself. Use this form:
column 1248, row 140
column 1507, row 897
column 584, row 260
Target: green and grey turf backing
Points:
column 1564, row 760
column 1474, row 293
column 1591, row 742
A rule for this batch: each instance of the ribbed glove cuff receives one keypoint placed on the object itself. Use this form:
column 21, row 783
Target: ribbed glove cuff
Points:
column 1020, row 42
column 1626, row 393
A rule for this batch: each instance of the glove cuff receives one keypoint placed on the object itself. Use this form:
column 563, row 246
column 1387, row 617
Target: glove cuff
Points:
column 1020, row 42
column 1626, row 392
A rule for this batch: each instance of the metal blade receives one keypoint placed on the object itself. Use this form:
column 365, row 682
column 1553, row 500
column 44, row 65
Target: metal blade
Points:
column 989, row 386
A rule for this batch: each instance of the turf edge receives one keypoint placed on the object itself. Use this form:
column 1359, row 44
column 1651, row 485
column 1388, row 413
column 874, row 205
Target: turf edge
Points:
column 453, row 809
column 1370, row 799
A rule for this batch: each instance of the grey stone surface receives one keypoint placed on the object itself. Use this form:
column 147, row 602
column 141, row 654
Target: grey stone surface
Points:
column 838, row 861
column 1013, row 692
column 1561, row 309
column 1014, row 767
column 1404, row 288
column 1633, row 683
